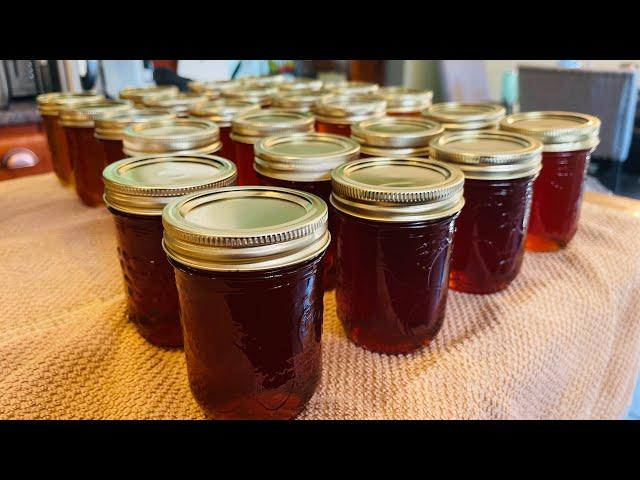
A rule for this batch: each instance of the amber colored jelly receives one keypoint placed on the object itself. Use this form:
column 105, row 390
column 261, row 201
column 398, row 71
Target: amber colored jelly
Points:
column 57, row 141
column 335, row 128
column 243, row 158
column 112, row 150
column 489, row 241
column 417, row 114
column 557, row 198
column 228, row 149
column 88, row 159
column 152, row 297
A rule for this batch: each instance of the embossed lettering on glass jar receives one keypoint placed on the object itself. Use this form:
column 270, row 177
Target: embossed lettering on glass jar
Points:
column 110, row 128
column 300, row 84
column 136, row 191
column 249, row 128
column 394, row 224
column 304, row 162
column 405, row 102
column 499, row 169
column 351, row 87
column 569, row 139
column 296, row 101
column 395, row 136
column 260, row 95
column 136, row 95
column 248, row 266
column 85, row 150
column 455, row 116
column 336, row 113
column 49, row 105
column 221, row 112
column 178, row 104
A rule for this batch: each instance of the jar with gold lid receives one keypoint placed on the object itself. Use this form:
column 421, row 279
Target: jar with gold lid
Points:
column 303, row 161
column 178, row 104
column 248, row 267
column 260, row 95
column 136, row 191
column 213, row 88
column 110, row 128
column 405, row 102
column 49, row 105
column 351, row 87
column 136, row 95
column 394, row 224
column 500, row 169
column 455, row 116
column 221, row 112
column 179, row 135
column 395, row 136
column 296, row 100
column 336, row 113
column 249, row 128
column 85, row 150
column 300, row 84
column 568, row 140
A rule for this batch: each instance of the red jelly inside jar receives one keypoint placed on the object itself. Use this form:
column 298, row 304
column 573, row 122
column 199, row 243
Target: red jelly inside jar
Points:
column 136, row 191
column 252, row 321
column 394, row 226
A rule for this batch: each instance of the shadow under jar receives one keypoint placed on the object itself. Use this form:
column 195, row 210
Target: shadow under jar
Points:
column 394, row 224
column 49, row 105
column 304, row 162
column 221, row 112
column 569, row 139
column 336, row 113
column 405, row 102
column 499, row 169
column 248, row 266
column 136, row 95
column 456, row 116
column 395, row 136
column 249, row 128
column 136, row 191
column 85, row 150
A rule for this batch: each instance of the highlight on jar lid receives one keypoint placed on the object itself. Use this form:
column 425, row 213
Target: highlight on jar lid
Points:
column 296, row 101
column 212, row 86
column 558, row 131
column 251, row 127
column 405, row 100
column 347, row 109
column 178, row 104
column 303, row 157
column 395, row 136
column 296, row 84
column 489, row 154
column 351, row 87
column 465, row 116
column 51, row 103
column 184, row 135
column 262, row 81
column 137, row 94
column 111, row 126
column 397, row 189
column 84, row 114
column 223, row 110
column 245, row 228
column 145, row 185
column 259, row 95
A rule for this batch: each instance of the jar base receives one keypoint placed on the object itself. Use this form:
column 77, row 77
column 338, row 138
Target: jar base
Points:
column 166, row 338
column 537, row 243
column 386, row 348
column 460, row 285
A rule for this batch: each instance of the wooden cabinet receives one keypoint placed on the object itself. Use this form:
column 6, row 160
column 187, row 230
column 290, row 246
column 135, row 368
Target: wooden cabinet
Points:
column 30, row 136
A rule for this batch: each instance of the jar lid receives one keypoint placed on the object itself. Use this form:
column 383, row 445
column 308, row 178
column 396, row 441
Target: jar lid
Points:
column 465, row 116
column 347, row 109
column 180, row 135
column 84, row 114
column 405, row 189
column 558, row 131
column 212, row 86
column 51, row 103
column 297, row 101
column 303, row 157
column 177, row 104
column 259, row 95
column 111, row 126
column 351, row 87
column 489, row 154
column 137, row 94
column 251, row 127
column 222, row 110
column 245, row 228
column 297, row 84
column 145, row 185
column 262, row 80
column 405, row 100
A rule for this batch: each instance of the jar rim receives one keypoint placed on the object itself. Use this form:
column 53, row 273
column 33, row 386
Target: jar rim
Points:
column 179, row 135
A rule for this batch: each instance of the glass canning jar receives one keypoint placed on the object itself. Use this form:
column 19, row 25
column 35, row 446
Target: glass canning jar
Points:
column 249, row 128
column 351, row 87
column 248, row 266
column 221, row 112
column 405, row 102
column 455, row 116
column 259, row 95
column 395, row 136
column 136, row 191
column 336, row 113
column 394, row 224
column 85, row 150
column 304, row 161
column 569, row 139
column 499, row 169
column 110, row 128
column 296, row 100
column 136, row 95
column 178, row 104
column 49, row 105
column 300, row 84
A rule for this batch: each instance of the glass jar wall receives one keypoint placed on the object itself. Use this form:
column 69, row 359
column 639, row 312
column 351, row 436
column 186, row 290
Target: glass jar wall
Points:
column 456, row 116
column 405, row 102
column 336, row 113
